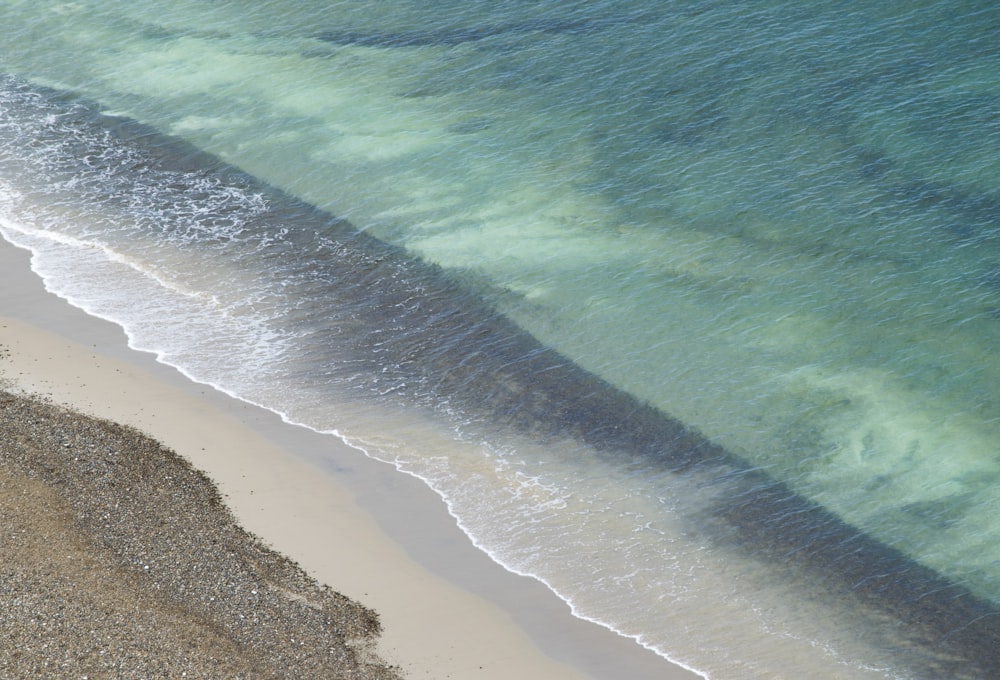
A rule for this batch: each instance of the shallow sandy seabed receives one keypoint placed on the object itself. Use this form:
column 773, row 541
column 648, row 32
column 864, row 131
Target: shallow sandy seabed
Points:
column 130, row 562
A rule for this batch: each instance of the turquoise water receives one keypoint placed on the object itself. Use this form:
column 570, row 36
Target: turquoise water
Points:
column 775, row 222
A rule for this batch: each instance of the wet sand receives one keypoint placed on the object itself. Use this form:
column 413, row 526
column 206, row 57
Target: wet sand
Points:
column 136, row 581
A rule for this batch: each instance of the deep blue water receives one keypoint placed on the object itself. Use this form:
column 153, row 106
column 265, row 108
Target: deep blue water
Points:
column 687, row 309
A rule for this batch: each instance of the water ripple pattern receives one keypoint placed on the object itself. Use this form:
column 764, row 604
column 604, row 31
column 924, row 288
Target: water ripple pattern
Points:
column 687, row 309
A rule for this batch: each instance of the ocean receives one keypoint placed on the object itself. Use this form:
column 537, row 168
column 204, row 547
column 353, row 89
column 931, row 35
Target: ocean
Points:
column 688, row 310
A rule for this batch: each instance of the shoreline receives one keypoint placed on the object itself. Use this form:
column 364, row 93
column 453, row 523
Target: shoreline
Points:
column 305, row 494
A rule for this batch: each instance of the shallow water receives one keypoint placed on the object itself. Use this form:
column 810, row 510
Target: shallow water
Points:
column 775, row 225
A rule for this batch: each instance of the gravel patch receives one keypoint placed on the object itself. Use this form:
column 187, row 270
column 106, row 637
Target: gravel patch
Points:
column 121, row 560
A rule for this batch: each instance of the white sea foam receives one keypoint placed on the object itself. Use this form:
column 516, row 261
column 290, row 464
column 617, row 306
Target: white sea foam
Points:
column 548, row 525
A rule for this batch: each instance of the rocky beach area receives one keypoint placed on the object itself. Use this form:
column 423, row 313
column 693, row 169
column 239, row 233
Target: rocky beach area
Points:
column 121, row 560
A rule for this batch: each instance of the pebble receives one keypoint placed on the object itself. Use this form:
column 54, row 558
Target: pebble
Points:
column 76, row 582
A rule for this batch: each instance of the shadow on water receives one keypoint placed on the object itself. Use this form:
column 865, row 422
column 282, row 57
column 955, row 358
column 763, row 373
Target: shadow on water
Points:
column 409, row 329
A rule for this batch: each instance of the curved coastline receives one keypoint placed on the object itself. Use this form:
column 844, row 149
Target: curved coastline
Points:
column 516, row 382
column 352, row 523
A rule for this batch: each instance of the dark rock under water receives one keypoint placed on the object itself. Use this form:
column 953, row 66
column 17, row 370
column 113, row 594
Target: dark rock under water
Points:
column 465, row 34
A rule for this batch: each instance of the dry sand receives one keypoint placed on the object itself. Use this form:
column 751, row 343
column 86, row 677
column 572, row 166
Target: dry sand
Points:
column 378, row 537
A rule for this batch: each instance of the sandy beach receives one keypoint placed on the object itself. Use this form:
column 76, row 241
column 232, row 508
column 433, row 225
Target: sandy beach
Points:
column 385, row 583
